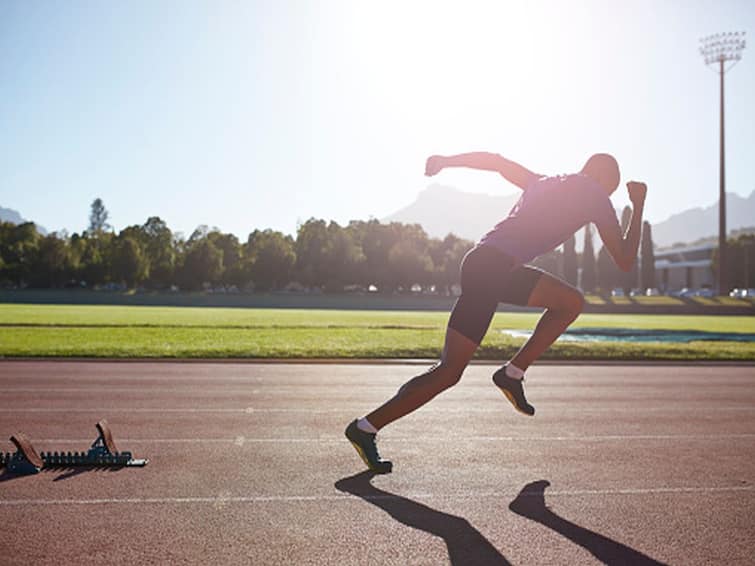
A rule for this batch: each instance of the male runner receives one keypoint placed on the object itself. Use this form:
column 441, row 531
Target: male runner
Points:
column 549, row 211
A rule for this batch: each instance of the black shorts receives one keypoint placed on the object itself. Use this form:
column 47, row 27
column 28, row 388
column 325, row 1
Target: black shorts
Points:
column 488, row 277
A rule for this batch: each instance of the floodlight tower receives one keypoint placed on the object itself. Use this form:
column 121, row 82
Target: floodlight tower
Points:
column 718, row 50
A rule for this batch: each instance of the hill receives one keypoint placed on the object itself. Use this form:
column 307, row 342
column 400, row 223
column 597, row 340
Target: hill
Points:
column 701, row 223
column 13, row 216
column 443, row 209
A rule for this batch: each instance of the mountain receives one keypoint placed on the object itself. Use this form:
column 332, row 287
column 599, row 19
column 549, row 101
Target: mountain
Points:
column 442, row 209
column 698, row 223
column 10, row 215
column 13, row 216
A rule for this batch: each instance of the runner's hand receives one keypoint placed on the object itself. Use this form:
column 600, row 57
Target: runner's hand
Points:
column 434, row 165
column 637, row 192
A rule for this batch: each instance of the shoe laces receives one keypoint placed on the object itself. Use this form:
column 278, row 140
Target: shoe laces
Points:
column 373, row 442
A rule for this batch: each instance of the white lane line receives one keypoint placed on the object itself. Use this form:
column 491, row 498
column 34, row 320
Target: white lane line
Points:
column 341, row 410
column 241, row 440
column 276, row 386
column 224, row 499
column 105, row 391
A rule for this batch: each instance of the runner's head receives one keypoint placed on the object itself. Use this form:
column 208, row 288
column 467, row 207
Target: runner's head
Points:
column 603, row 168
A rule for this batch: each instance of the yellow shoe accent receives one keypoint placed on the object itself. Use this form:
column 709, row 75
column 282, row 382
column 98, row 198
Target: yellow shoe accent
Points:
column 510, row 397
column 361, row 454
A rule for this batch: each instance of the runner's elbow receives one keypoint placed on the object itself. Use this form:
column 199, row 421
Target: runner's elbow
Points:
column 626, row 264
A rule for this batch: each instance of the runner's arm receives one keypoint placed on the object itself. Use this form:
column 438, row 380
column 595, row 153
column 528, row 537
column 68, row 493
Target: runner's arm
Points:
column 623, row 249
column 511, row 171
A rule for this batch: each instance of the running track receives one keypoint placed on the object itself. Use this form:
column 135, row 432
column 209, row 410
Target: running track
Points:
column 621, row 464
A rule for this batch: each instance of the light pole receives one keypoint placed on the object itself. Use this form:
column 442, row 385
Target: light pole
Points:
column 717, row 50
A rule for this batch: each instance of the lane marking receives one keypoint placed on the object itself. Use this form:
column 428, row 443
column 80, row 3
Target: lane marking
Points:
column 341, row 410
column 105, row 391
column 275, row 385
column 241, row 440
column 224, row 499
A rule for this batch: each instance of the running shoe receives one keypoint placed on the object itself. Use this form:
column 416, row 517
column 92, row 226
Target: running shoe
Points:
column 513, row 390
column 364, row 443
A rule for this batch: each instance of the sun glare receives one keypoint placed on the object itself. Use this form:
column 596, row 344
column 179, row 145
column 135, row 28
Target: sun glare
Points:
column 430, row 56
column 478, row 72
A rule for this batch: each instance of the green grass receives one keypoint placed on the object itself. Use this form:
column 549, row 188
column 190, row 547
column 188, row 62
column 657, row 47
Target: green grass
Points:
column 185, row 332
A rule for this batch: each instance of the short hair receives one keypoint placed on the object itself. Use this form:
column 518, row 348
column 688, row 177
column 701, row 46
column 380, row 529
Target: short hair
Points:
column 604, row 169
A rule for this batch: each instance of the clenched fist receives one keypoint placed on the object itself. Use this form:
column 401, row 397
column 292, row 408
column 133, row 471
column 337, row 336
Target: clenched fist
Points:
column 637, row 192
column 434, row 165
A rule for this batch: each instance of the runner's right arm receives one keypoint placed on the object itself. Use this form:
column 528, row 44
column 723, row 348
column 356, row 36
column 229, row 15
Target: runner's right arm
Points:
column 623, row 249
column 511, row 171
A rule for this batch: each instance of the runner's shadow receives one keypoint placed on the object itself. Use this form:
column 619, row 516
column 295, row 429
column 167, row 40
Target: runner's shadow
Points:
column 465, row 544
column 530, row 503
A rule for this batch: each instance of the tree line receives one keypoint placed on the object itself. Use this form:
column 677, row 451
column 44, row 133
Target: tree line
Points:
column 324, row 255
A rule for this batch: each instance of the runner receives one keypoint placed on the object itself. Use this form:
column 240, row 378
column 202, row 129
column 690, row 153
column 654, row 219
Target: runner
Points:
column 548, row 212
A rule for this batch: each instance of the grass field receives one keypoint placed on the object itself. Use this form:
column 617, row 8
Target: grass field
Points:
column 185, row 332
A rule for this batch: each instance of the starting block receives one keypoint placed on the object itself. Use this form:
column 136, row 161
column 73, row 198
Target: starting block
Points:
column 25, row 460
column 102, row 453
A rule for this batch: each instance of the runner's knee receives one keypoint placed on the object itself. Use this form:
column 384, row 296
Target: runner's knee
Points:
column 579, row 303
column 567, row 301
column 450, row 373
column 574, row 303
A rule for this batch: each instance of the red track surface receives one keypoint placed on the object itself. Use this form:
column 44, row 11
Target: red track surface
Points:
column 248, row 465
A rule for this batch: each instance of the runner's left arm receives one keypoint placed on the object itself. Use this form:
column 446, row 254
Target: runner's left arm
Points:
column 510, row 170
column 624, row 248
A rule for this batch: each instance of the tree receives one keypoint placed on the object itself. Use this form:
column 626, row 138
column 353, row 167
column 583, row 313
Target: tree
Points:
column 588, row 262
column 130, row 264
column 549, row 261
column 203, row 263
column 19, row 245
column 446, row 255
column 343, row 258
column 608, row 274
column 647, row 258
column 76, row 248
column 269, row 259
column 376, row 241
column 98, row 218
column 408, row 259
column 741, row 262
column 159, row 250
column 229, row 245
column 50, row 267
column 311, row 244
column 98, row 250
column 96, row 258
column 570, row 261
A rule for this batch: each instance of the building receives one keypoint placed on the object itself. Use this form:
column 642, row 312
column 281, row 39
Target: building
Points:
column 688, row 266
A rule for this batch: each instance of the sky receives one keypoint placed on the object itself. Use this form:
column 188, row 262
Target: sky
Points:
column 263, row 114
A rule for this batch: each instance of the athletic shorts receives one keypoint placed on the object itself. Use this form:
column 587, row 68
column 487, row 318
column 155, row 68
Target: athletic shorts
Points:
column 489, row 277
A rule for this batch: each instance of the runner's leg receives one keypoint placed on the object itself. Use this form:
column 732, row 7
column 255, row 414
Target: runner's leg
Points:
column 457, row 352
column 562, row 304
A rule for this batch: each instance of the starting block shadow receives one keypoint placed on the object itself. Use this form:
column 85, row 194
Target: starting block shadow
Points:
column 103, row 453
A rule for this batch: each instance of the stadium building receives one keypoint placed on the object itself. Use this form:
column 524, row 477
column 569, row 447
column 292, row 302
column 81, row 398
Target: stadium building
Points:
column 688, row 266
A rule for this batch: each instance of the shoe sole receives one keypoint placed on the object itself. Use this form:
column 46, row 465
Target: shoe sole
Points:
column 363, row 456
column 510, row 396
column 512, row 400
